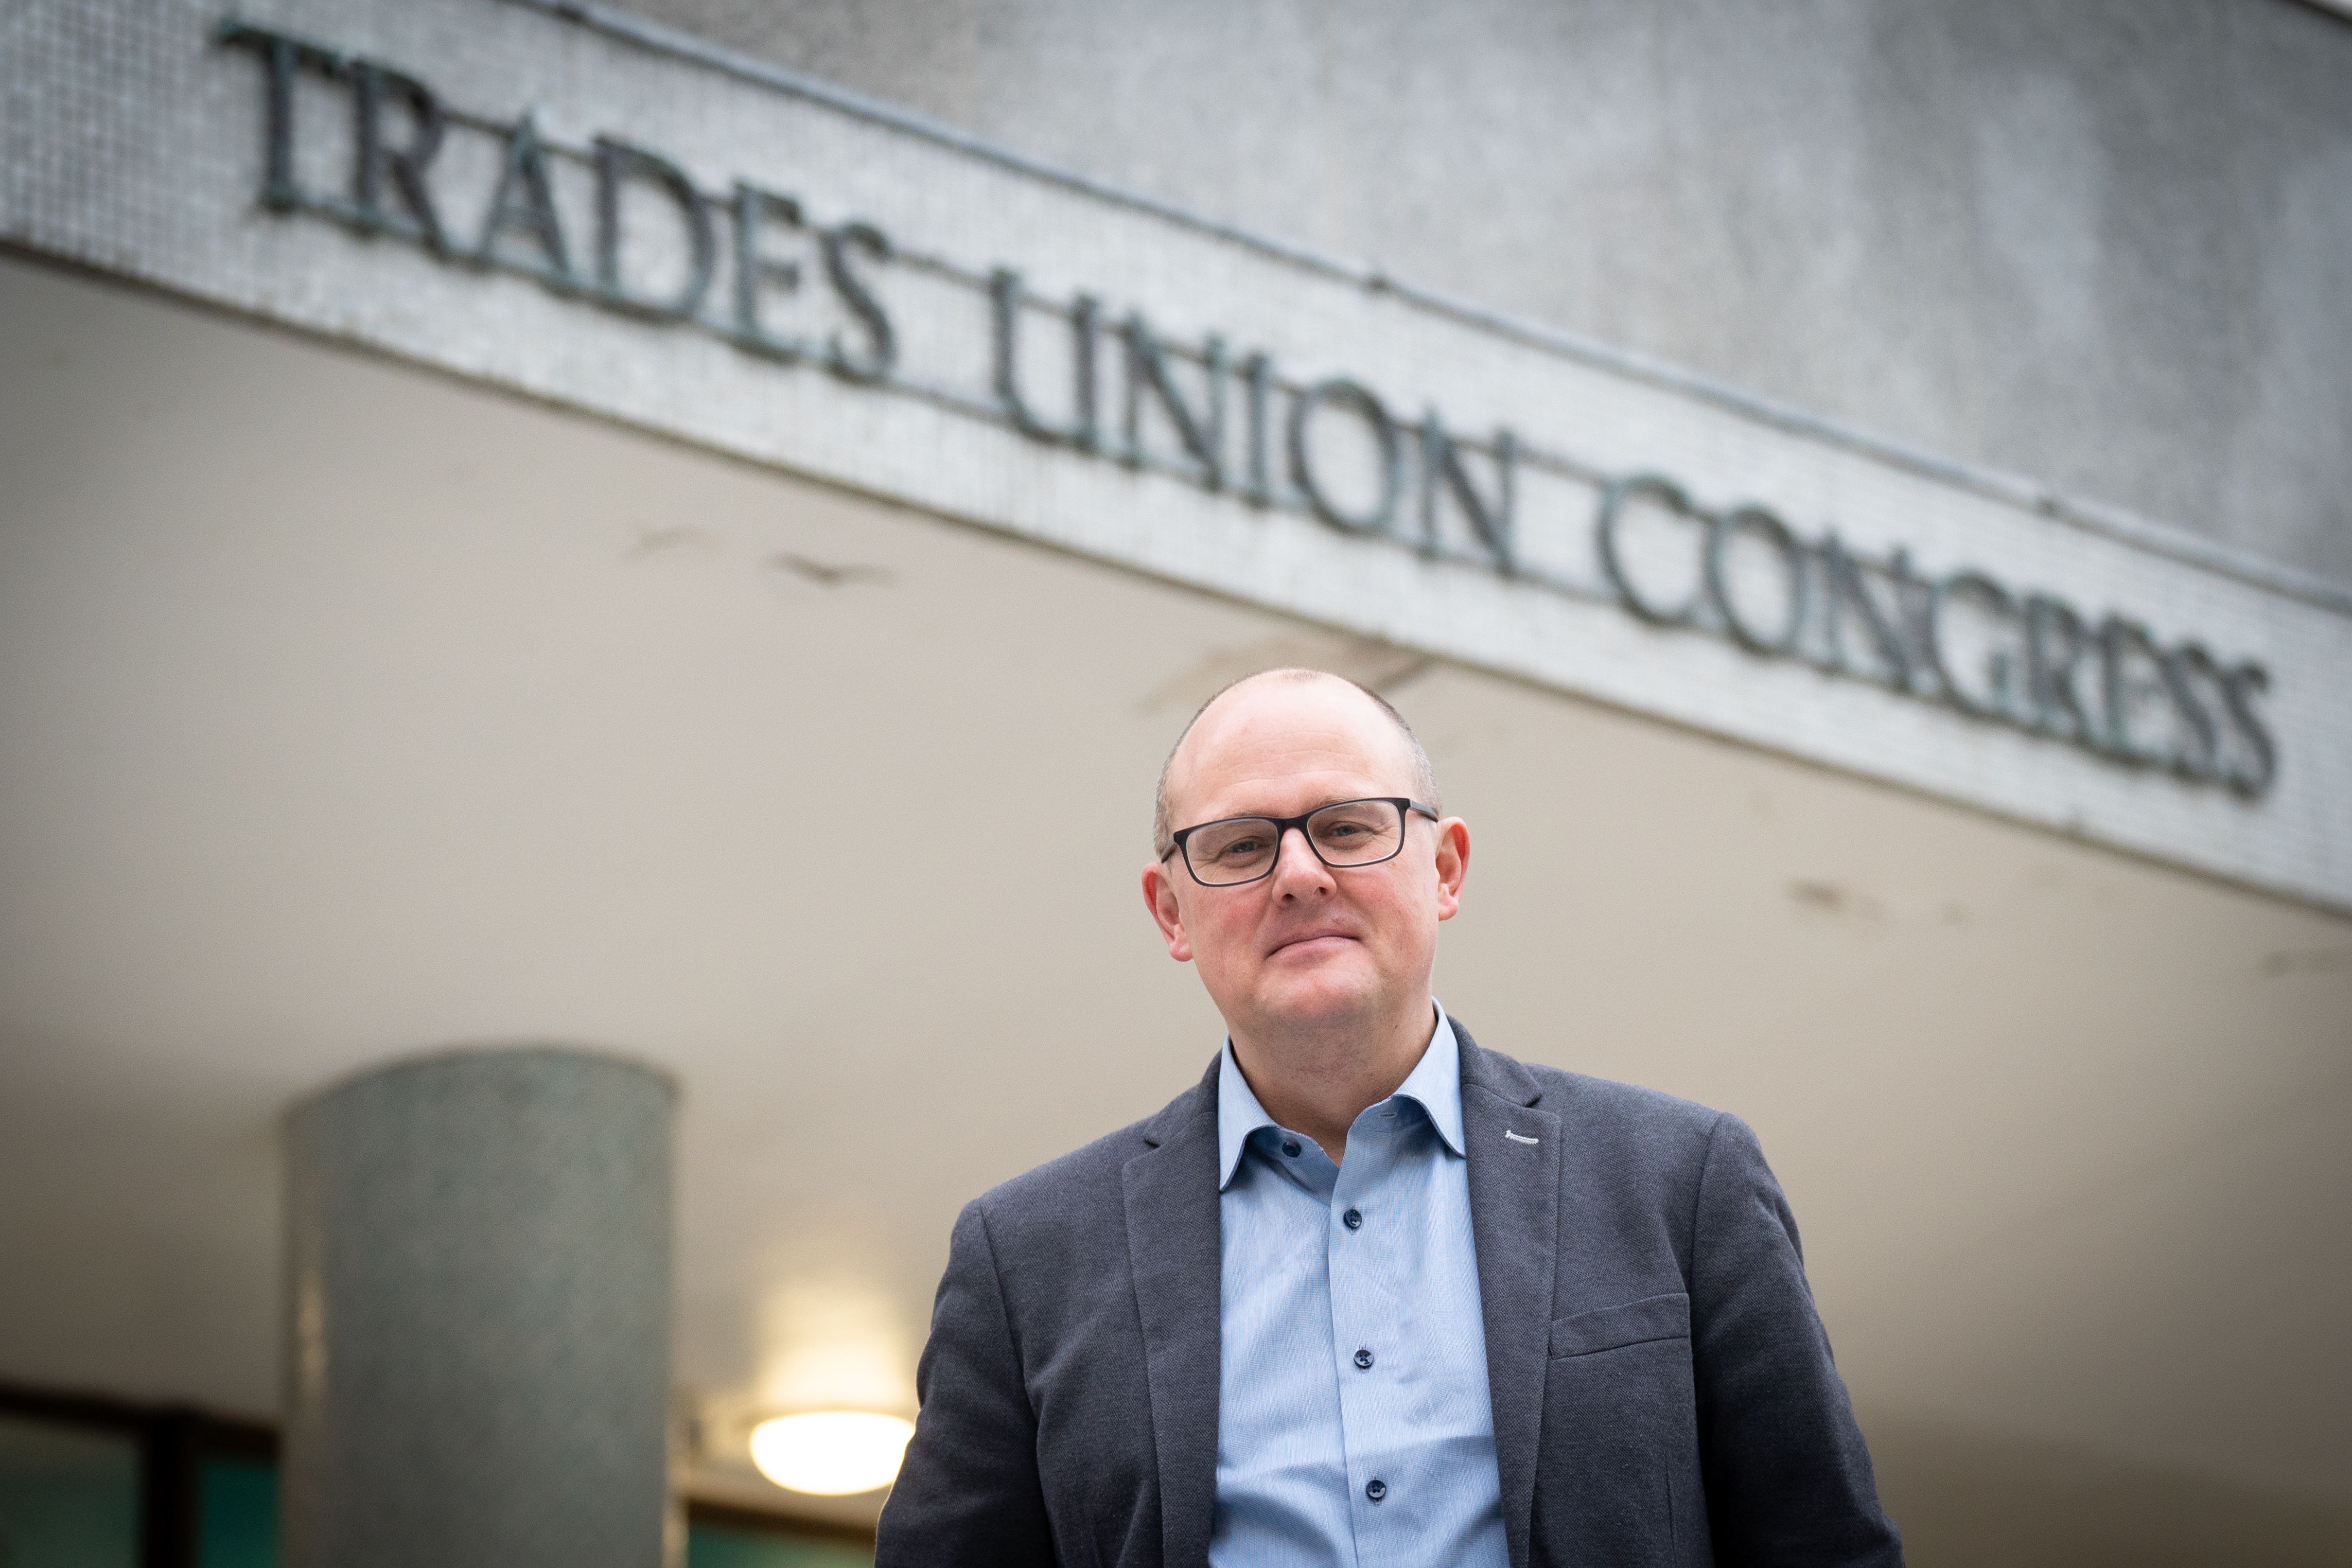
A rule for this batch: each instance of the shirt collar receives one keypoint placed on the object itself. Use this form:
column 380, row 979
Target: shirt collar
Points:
column 1435, row 1084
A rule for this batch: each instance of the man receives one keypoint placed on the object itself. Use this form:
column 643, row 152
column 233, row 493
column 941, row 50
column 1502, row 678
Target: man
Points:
column 1369, row 1294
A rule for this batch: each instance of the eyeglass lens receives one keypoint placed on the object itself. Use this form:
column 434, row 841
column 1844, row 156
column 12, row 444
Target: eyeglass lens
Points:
column 1353, row 833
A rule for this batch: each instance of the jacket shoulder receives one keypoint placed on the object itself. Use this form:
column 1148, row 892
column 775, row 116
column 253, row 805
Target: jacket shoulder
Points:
column 1609, row 1126
column 1604, row 1102
column 1585, row 1104
column 1082, row 1173
column 1084, row 1188
column 1639, row 1160
column 1625, row 1130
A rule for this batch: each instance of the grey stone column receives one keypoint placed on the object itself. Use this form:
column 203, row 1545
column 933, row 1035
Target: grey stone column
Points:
column 478, row 1328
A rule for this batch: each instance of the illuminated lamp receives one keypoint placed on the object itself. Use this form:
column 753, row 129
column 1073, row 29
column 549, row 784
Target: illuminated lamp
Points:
column 831, row 1453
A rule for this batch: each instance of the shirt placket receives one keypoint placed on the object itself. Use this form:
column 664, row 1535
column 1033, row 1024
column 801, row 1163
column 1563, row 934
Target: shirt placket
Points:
column 1363, row 1335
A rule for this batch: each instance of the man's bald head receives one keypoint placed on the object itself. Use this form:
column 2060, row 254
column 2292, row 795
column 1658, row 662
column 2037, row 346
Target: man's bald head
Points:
column 1424, row 780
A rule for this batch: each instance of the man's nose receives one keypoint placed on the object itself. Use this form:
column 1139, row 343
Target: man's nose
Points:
column 1289, row 869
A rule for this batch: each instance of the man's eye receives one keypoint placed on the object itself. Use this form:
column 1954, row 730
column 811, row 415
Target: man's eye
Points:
column 1241, row 849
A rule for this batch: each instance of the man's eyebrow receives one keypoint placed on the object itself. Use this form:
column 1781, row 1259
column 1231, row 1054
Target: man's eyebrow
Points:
column 1307, row 812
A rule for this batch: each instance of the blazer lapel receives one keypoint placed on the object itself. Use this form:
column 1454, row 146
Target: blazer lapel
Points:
column 1175, row 1252
column 1514, row 1154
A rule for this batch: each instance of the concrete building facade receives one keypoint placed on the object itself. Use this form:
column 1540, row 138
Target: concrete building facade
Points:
column 2099, row 246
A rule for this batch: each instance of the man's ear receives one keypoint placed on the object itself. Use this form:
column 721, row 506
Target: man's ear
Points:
column 1159, row 897
column 1452, row 865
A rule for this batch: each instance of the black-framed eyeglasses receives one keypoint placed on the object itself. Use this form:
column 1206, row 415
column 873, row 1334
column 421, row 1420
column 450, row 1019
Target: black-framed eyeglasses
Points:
column 1235, row 850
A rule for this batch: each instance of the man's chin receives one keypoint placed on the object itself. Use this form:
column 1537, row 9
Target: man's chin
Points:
column 1334, row 991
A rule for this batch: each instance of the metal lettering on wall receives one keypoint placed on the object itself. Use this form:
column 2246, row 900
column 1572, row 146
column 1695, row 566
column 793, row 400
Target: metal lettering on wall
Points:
column 1078, row 374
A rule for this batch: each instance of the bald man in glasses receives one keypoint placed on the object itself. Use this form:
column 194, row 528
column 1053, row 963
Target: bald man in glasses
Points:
column 1369, row 1294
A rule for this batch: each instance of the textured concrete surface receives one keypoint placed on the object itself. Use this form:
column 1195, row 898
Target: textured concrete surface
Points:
column 2103, row 243
column 161, row 184
column 479, row 1315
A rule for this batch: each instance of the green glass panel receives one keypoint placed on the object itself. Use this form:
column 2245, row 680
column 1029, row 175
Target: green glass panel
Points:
column 236, row 1519
column 722, row 1546
column 68, row 1495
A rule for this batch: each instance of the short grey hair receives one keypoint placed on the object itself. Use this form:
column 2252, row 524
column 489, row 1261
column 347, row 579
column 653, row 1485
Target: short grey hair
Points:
column 1424, row 778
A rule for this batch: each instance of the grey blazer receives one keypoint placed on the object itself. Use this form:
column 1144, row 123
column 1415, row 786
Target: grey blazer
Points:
column 1662, row 1389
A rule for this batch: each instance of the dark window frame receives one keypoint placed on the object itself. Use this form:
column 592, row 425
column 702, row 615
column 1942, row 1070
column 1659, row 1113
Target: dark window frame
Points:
column 766, row 1522
column 174, row 1442
column 175, row 1439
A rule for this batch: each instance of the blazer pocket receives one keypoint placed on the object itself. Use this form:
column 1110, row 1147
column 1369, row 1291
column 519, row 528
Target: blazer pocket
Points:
column 1613, row 1328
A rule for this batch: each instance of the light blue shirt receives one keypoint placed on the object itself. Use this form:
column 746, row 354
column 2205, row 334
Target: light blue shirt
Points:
column 1354, row 1424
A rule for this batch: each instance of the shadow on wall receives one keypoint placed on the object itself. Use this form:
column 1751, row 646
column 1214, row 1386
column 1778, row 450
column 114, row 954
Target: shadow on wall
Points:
column 1964, row 1498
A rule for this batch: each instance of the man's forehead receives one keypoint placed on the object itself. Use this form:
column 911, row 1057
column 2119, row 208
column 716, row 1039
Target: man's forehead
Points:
column 1266, row 730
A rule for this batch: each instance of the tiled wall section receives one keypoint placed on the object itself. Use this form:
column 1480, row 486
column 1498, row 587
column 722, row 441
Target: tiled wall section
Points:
column 131, row 141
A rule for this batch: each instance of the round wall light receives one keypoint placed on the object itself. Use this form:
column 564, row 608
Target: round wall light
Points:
column 831, row 1453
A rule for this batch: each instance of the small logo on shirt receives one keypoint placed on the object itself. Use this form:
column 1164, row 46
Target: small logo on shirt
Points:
column 1517, row 1139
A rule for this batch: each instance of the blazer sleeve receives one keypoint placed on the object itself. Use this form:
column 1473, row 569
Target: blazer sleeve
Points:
column 969, row 1492
column 1788, row 1479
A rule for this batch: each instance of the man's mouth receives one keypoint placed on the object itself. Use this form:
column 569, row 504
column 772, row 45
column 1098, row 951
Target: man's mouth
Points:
column 1305, row 938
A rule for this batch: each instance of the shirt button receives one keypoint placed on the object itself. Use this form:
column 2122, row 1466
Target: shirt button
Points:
column 1290, row 1147
column 1376, row 1488
column 1352, row 1220
column 1364, row 1360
